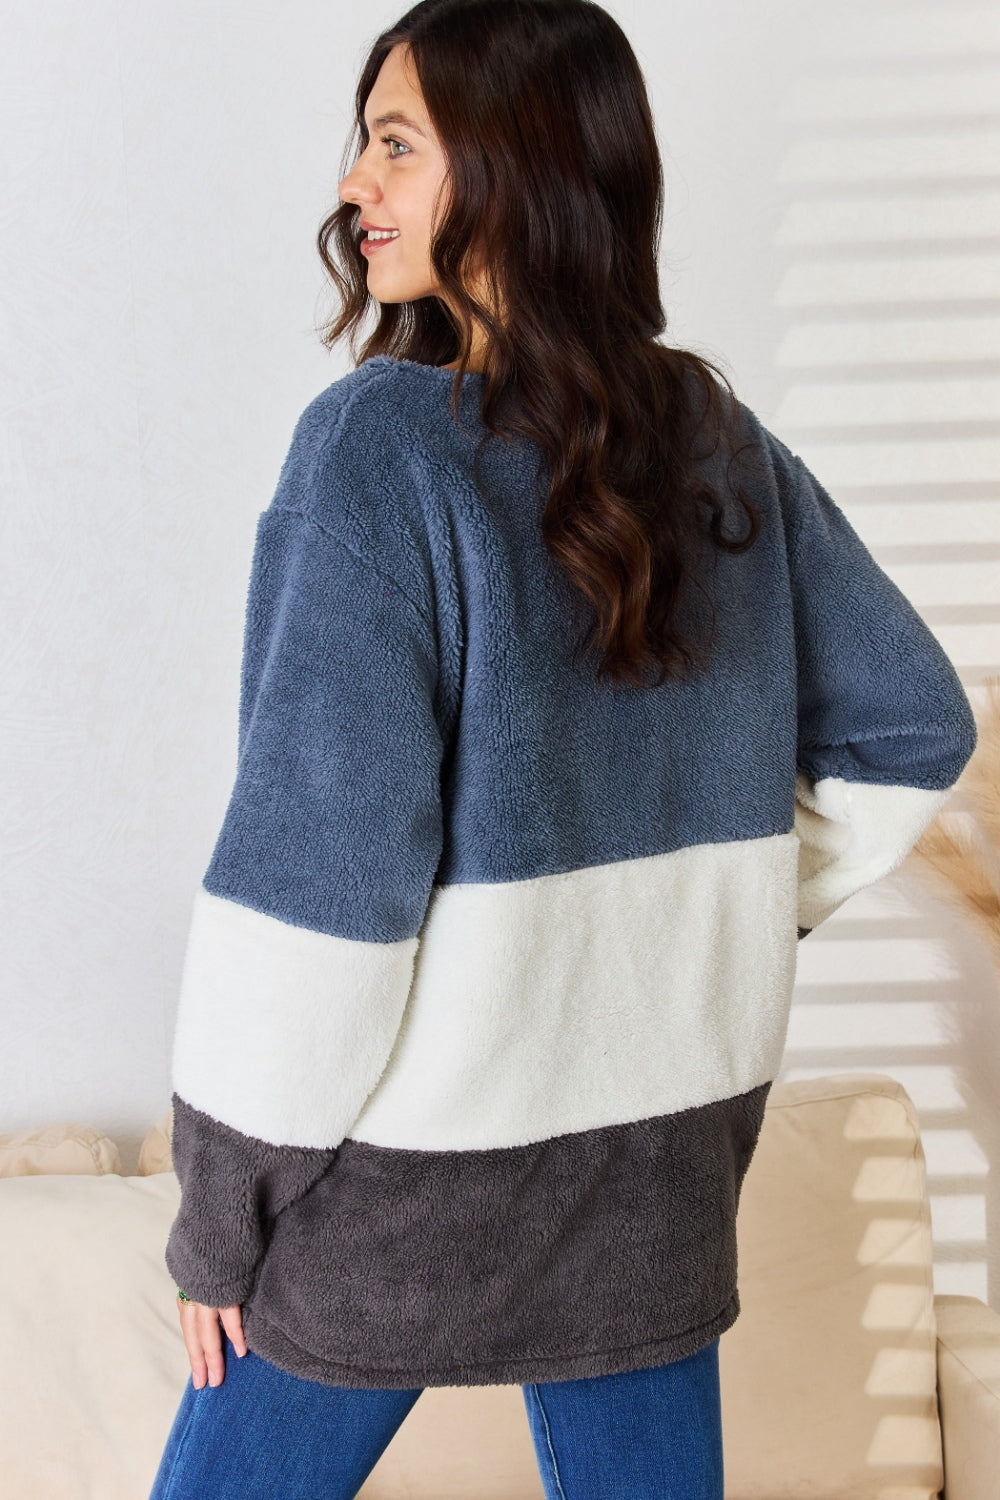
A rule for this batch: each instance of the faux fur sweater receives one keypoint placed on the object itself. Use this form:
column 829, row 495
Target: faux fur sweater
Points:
column 489, row 974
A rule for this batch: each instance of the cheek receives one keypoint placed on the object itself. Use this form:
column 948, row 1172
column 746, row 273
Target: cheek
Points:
column 417, row 220
column 427, row 200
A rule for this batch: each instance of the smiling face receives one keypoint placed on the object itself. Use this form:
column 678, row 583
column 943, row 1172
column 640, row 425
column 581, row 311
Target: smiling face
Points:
column 395, row 183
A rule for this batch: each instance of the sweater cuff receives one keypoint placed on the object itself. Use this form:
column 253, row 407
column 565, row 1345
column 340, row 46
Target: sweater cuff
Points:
column 189, row 1276
column 233, row 1187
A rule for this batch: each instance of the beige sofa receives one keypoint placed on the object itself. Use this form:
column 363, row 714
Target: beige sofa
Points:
column 843, row 1377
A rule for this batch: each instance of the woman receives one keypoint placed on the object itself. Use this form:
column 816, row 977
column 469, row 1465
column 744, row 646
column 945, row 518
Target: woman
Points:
column 489, row 975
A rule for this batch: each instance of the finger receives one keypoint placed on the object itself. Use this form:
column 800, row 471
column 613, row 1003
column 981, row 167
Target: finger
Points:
column 192, row 1343
column 211, row 1343
column 232, row 1322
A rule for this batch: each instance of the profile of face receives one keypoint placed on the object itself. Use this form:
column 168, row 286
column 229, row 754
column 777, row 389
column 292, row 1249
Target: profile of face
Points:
column 396, row 181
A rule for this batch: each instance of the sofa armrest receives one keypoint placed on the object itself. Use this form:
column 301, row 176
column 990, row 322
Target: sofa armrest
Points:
column 968, row 1374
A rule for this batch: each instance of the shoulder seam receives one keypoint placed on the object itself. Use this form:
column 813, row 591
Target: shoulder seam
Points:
column 345, row 406
column 322, row 452
column 293, row 510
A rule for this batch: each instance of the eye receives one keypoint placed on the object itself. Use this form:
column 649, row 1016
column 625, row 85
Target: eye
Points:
column 391, row 139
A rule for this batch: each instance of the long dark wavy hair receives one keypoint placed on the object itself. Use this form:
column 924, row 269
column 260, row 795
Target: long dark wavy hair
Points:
column 542, row 113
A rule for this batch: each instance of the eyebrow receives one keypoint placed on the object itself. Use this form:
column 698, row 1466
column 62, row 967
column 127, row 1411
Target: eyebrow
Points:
column 396, row 117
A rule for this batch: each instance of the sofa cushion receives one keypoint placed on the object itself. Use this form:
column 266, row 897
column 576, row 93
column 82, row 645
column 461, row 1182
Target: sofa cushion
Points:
column 154, row 1153
column 829, row 1373
column 969, row 1394
column 57, row 1148
column 94, row 1363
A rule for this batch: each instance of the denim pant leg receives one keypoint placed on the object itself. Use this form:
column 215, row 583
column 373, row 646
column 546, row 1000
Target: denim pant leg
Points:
column 263, row 1433
column 651, row 1434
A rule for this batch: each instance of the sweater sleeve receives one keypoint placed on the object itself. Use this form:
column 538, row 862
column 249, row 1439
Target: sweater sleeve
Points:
column 884, row 725
column 304, row 930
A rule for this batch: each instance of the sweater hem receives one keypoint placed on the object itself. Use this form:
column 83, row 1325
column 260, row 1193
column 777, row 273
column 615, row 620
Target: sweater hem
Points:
column 271, row 1343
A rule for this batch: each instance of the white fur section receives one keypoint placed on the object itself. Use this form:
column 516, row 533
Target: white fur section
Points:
column 593, row 997
column 283, row 1032
column 851, row 834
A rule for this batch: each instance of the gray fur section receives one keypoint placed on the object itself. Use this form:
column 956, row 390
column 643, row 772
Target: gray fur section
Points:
column 275, row 1346
column 590, row 1253
column 232, row 1189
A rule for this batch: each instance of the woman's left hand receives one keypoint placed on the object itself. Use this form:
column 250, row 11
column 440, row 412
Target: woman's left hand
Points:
column 203, row 1341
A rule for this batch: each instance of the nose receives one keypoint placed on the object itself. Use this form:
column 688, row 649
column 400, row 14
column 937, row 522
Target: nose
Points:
column 357, row 193
column 357, row 186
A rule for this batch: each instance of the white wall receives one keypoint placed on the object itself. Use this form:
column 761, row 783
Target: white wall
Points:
column 832, row 224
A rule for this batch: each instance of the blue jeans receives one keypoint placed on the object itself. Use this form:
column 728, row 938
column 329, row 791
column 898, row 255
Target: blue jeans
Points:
column 652, row 1434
